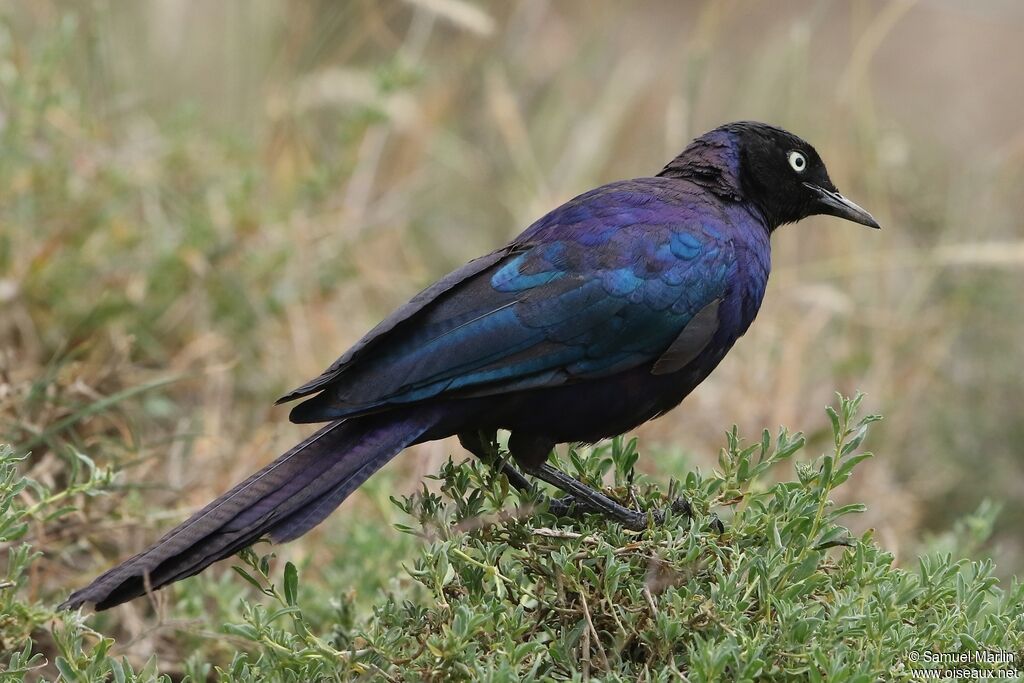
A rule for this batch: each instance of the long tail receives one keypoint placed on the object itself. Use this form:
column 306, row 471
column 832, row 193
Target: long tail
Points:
column 284, row 500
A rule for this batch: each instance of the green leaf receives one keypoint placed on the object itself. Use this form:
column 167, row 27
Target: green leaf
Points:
column 837, row 430
column 846, row 467
column 67, row 669
column 825, row 476
column 837, row 535
column 848, row 509
column 807, row 566
column 248, row 577
column 291, row 584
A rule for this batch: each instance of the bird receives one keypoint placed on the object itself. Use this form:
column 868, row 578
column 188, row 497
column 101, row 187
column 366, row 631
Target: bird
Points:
column 603, row 314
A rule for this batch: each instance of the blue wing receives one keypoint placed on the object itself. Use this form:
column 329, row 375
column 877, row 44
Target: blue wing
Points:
column 607, row 282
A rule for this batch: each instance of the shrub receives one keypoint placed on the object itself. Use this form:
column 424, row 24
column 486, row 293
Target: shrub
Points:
column 762, row 581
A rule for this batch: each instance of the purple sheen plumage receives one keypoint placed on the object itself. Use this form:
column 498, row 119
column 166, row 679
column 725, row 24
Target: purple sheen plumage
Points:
column 577, row 330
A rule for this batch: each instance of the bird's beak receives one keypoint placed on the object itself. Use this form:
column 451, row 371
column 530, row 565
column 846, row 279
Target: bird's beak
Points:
column 832, row 203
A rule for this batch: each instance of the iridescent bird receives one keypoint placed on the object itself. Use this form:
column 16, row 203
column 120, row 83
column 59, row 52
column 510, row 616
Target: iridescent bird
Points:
column 603, row 314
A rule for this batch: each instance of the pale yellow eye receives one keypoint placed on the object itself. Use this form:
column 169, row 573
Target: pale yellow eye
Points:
column 798, row 161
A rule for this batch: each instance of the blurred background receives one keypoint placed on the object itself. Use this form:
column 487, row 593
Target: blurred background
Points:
column 203, row 204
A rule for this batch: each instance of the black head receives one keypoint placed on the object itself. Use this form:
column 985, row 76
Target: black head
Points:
column 775, row 169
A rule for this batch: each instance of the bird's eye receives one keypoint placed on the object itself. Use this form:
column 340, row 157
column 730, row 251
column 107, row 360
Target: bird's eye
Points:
column 798, row 161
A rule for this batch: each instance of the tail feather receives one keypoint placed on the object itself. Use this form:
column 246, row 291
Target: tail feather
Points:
column 298, row 523
column 284, row 500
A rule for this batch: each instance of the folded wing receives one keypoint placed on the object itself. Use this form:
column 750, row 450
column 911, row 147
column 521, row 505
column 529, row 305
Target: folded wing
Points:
column 584, row 294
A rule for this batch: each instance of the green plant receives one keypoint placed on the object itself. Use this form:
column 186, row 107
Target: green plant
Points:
column 27, row 625
column 502, row 590
column 785, row 592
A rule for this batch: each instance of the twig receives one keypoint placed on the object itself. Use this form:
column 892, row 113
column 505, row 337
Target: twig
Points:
column 586, row 655
column 494, row 571
column 564, row 534
column 650, row 600
column 593, row 631
column 557, row 533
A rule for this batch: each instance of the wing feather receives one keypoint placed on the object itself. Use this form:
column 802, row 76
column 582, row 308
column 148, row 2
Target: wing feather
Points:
column 559, row 305
column 396, row 319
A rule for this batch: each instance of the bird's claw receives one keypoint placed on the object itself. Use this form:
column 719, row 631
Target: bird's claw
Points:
column 563, row 507
column 679, row 506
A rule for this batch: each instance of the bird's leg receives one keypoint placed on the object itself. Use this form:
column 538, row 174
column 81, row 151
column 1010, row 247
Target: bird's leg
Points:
column 580, row 497
column 596, row 501
column 486, row 448
column 588, row 497
column 532, row 451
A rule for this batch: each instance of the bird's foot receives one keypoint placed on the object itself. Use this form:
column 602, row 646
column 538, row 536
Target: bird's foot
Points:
column 634, row 520
column 681, row 506
column 564, row 507
column 582, row 498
